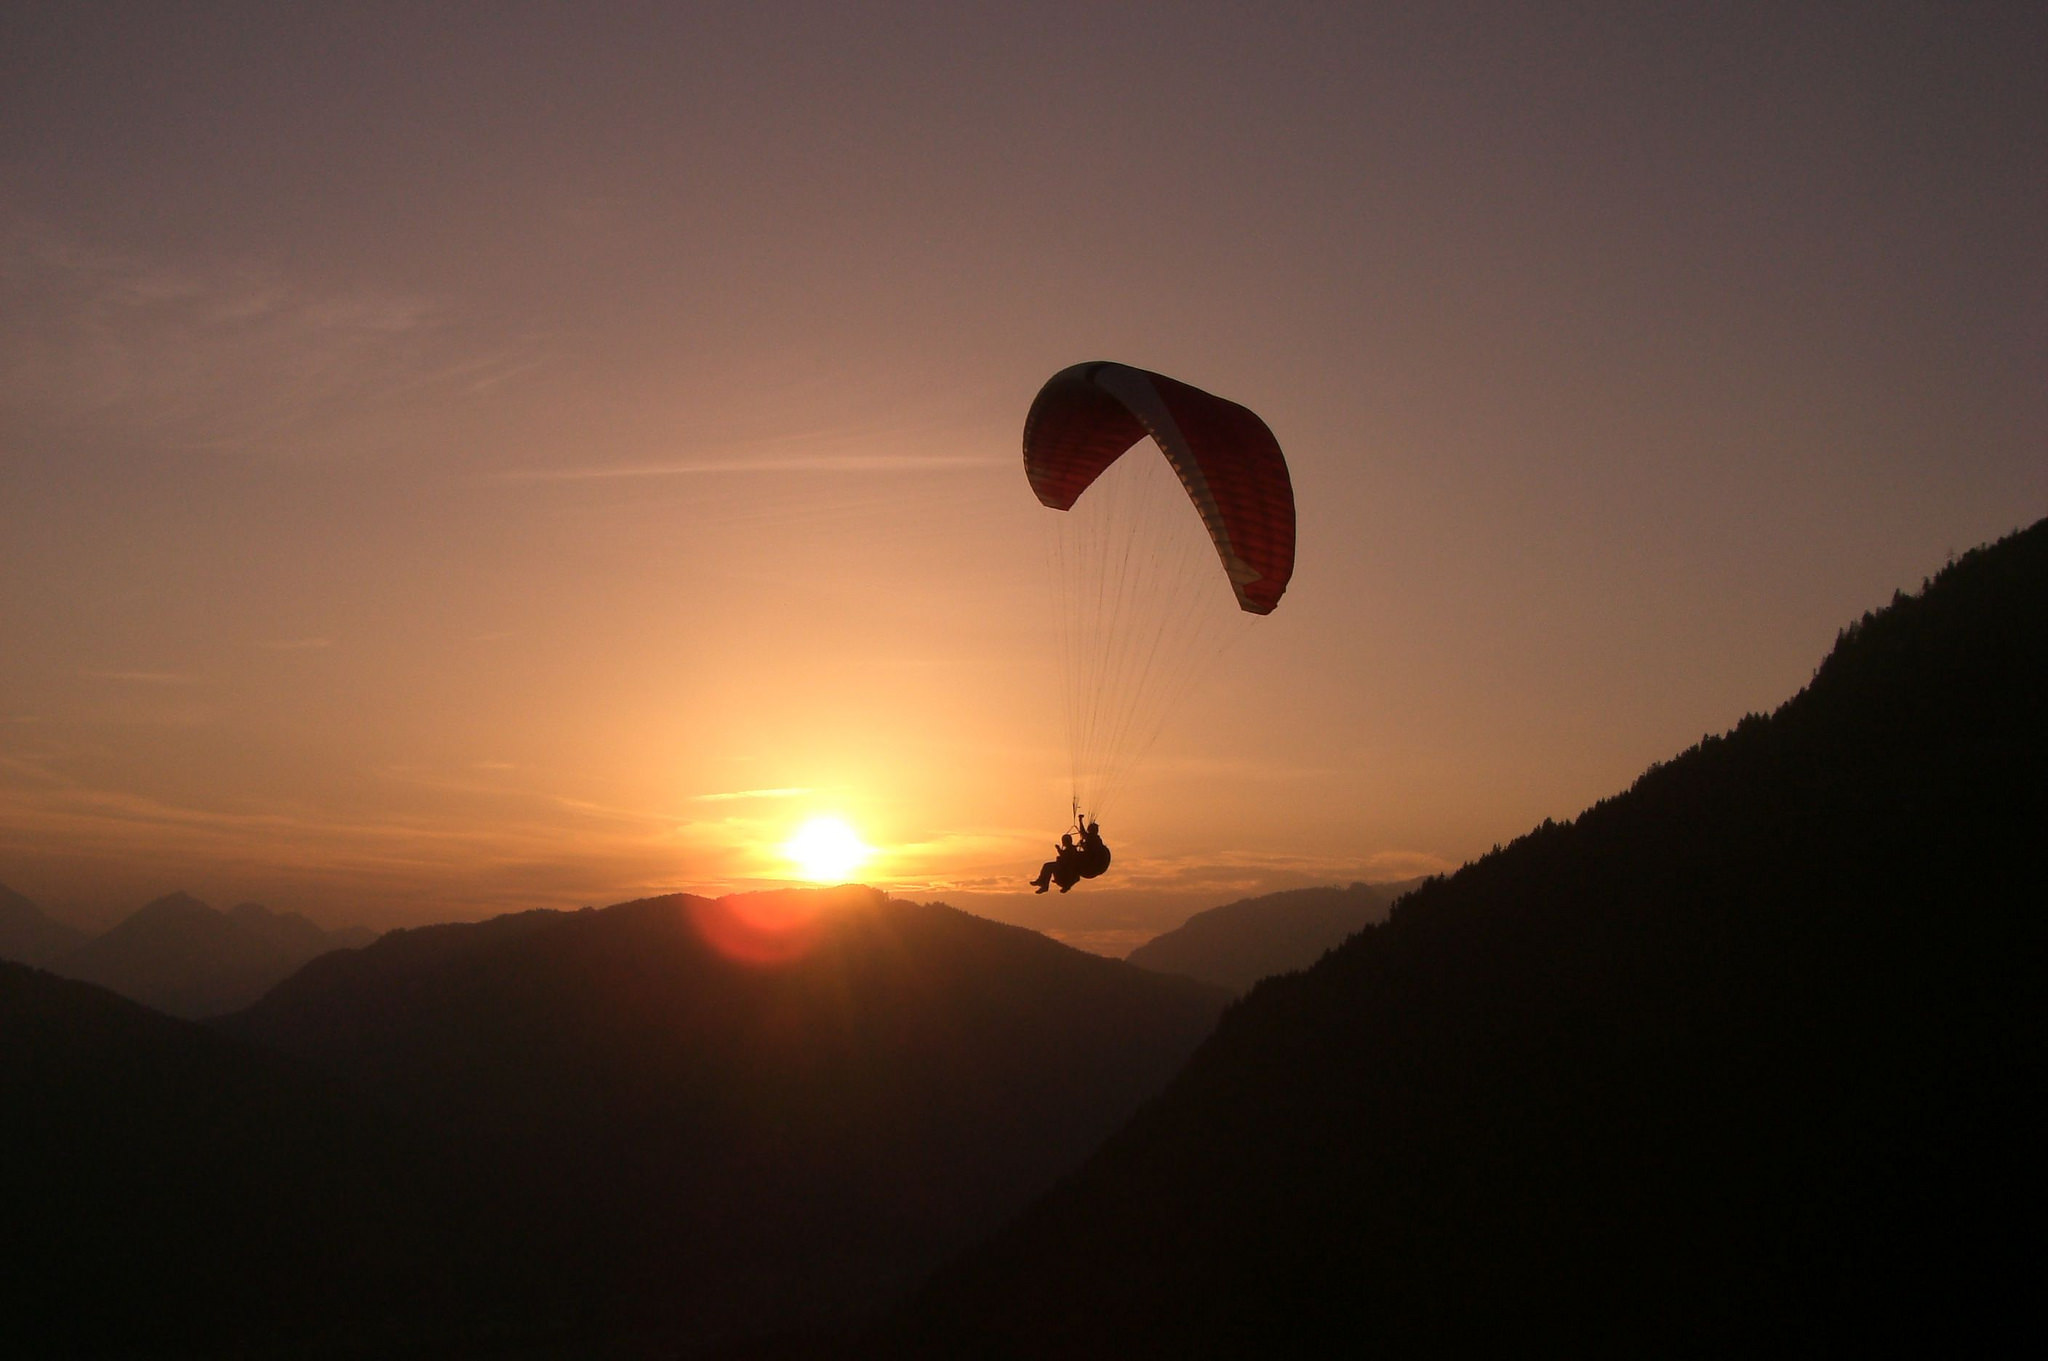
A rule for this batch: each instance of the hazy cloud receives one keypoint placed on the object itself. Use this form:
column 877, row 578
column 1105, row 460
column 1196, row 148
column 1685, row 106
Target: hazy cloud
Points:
column 143, row 677
column 844, row 463
column 755, row 794
column 1217, row 876
column 213, row 353
column 296, row 644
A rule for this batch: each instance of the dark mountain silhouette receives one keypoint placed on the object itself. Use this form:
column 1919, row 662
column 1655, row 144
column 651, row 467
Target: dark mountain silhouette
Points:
column 172, row 1192
column 180, row 956
column 1747, row 1056
column 291, row 933
column 1236, row 945
column 30, row 936
column 707, row 1148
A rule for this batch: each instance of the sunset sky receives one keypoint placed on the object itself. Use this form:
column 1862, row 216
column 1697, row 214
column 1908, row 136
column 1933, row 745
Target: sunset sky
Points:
column 465, row 458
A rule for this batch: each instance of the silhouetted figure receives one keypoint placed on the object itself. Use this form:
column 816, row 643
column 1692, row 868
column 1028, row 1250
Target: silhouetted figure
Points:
column 1094, row 852
column 1063, row 869
column 1072, row 863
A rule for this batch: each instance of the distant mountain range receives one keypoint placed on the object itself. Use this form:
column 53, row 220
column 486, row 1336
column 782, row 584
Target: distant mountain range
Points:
column 646, row 1128
column 1748, row 1056
column 188, row 959
column 31, row 936
column 1236, row 945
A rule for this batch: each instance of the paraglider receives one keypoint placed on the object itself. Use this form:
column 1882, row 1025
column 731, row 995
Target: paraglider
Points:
column 1140, row 611
column 1072, row 863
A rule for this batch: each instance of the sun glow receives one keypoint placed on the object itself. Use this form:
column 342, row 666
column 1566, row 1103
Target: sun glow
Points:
column 826, row 850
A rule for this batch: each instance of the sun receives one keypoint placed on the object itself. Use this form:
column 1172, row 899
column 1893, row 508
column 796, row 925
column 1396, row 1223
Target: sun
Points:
column 826, row 850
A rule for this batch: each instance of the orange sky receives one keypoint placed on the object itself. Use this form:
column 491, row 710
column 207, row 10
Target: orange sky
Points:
column 454, row 464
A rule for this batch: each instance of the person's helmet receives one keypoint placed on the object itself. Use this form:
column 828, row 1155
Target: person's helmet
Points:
column 1066, row 838
column 1091, row 829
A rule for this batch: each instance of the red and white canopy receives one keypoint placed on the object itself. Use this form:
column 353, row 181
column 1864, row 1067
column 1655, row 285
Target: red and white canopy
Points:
column 1087, row 416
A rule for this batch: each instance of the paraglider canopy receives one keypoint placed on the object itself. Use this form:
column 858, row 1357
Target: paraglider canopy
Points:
column 1087, row 416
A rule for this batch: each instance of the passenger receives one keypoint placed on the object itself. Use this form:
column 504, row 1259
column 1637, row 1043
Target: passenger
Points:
column 1063, row 868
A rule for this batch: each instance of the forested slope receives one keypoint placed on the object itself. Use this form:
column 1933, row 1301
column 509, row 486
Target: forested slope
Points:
column 1746, row 1054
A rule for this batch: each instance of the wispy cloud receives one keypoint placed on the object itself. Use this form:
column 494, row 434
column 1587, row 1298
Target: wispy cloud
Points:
column 217, row 354
column 791, row 793
column 1219, row 874
column 295, row 644
column 144, row 677
column 435, row 842
column 843, row 463
column 35, row 766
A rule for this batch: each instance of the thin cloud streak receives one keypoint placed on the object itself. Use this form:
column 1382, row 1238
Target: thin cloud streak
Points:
column 864, row 463
column 143, row 677
column 221, row 356
column 755, row 794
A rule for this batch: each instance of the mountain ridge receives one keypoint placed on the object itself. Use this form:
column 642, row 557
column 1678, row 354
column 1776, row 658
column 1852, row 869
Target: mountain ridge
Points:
column 30, row 935
column 1237, row 944
column 1740, row 1052
column 650, row 1129
column 793, row 1133
column 185, row 958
